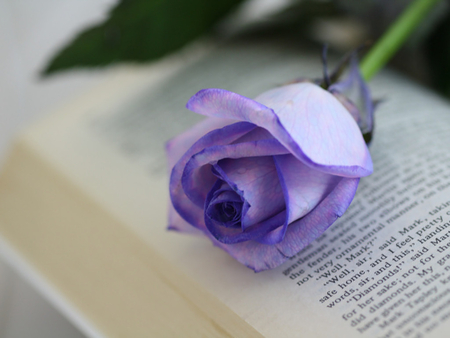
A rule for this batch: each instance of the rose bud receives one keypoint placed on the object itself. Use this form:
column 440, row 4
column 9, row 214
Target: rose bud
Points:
column 263, row 178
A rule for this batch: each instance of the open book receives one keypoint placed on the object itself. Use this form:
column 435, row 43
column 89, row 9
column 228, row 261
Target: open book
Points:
column 83, row 197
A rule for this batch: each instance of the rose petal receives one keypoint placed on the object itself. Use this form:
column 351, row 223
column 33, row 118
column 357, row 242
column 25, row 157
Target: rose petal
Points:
column 176, row 147
column 302, row 232
column 350, row 106
column 256, row 256
column 257, row 180
column 261, row 257
column 301, row 114
column 191, row 212
column 355, row 89
column 303, row 187
column 176, row 223
column 222, row 195
column 232, row 235
column 225, row 196
column 322, row 127
column 197, row 182
column 255, row 135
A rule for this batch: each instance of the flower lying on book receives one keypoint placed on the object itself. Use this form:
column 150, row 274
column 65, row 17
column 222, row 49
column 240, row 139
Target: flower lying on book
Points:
column 263, row 178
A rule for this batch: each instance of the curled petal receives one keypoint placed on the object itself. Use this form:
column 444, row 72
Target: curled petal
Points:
column 225, row 207
column 298, row 116
column 196, row 179
column 233, row 235
column 189, row 211
column 256, row 179
column 176, row 147
column 256, row 134
column 302, row 232
column 299, row 234
column 303, row 188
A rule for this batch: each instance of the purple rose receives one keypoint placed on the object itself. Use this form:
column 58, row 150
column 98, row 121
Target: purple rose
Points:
column 263, row 178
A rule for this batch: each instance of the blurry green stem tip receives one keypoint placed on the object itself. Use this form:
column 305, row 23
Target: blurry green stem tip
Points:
column 395, row 37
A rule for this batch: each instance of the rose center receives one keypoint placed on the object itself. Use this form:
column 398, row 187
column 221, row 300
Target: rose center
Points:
column 224, row 206
column 228, row 214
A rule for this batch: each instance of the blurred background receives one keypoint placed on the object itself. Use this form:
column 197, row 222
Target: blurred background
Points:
column 53, row 50
column 30, row 33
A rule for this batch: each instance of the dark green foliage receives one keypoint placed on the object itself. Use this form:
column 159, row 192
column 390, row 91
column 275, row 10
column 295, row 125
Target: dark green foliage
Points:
column 141, row 30
column 437, row 50
column 145, row 30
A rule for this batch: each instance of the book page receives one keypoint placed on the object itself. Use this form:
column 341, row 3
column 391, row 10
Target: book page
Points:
column 382, row 270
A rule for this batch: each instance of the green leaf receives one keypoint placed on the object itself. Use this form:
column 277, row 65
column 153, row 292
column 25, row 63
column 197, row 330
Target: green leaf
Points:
column 141, row 30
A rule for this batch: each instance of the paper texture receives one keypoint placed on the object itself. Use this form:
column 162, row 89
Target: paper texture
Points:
column 380, row 271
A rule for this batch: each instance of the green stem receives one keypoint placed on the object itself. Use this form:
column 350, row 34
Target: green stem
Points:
column 394, row 38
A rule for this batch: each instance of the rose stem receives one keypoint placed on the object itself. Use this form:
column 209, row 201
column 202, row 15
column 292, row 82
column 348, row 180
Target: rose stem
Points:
column 394, row 38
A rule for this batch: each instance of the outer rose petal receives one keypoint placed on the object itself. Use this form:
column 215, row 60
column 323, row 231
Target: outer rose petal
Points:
column 303, row 187
column 256, row 256
column 176, row 147
column 261, row 257
column 256, row 135
column 301, row 114
column 185, row 207
column 177, row 223
column 302, row 232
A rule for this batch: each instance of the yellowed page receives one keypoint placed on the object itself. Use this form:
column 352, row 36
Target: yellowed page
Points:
column 363, row 277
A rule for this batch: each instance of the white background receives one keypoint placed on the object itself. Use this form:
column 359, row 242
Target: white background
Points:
column 30, row 32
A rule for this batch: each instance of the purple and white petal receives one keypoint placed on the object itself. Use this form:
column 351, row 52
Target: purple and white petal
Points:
column 176, row 223
column 261, row 257
column 225, row 206
column 256, row 134
column 256, row 256
column 223, row 230
column 191, row 212
column 302, row 232
column 303, row 188
column 257, row 180
column 298, row 116
column 197, row 179
column 176, row 147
